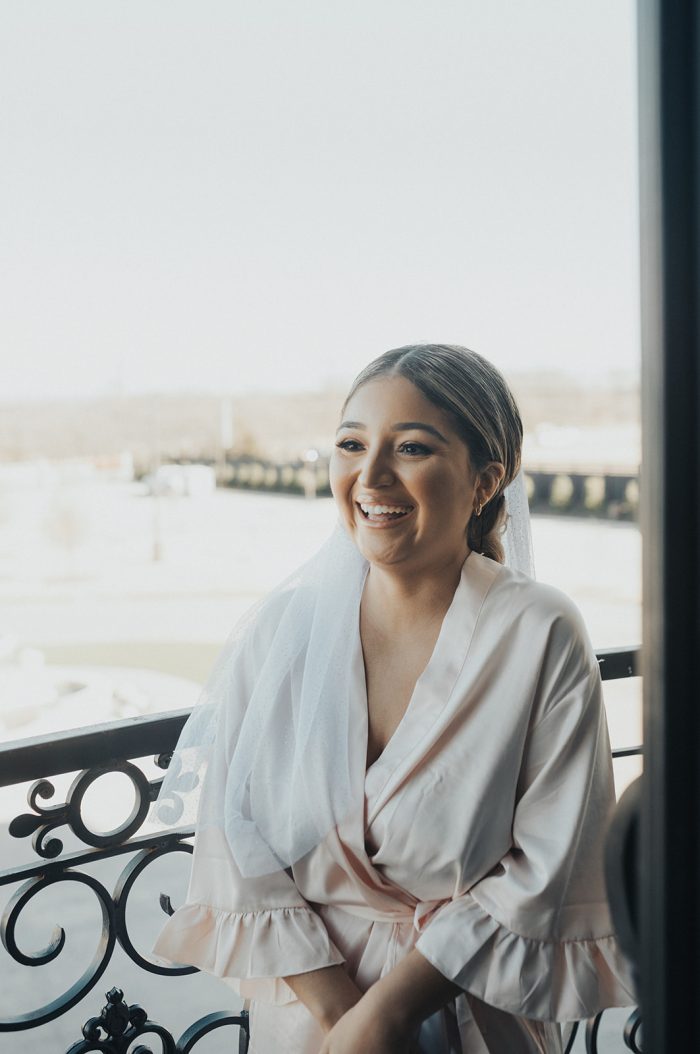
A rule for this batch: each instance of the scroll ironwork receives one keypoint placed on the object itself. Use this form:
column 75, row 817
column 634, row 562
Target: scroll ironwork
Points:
column 90, row 754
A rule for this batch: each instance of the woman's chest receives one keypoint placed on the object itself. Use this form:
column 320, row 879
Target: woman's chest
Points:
column 442, row 828
column 391, row 674
column 439, row 810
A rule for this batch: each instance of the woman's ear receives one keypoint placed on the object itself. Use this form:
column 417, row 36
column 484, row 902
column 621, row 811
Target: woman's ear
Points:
column 489, row 481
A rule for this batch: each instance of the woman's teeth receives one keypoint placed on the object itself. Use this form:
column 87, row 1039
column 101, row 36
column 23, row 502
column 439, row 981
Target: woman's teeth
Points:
column 373, row 511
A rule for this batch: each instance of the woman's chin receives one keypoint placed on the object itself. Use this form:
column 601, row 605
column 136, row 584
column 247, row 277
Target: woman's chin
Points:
column 383, row 551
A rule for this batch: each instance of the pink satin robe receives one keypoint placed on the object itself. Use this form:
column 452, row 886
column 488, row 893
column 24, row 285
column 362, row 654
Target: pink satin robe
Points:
column 477, row 838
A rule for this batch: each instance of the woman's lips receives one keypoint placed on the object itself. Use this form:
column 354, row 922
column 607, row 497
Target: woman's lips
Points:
column 373, row 517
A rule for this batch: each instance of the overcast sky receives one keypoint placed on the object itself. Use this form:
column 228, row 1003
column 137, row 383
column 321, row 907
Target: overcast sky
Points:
column 226, row 195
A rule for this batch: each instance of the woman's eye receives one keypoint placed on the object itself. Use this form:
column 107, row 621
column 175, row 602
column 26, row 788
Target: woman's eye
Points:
column 352, row 446
column 414, row 449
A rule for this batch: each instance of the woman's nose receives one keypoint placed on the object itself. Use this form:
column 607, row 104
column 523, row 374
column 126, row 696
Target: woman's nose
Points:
column 376, row 470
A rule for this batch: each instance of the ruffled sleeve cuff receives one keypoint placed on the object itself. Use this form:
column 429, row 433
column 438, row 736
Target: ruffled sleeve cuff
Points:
column 250, row 951
column 566, row 980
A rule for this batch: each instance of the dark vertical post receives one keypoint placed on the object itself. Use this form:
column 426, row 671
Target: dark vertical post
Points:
column 670, row 827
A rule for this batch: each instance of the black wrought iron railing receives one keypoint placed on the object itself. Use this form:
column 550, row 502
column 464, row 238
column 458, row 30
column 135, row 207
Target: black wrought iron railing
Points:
column 127, row 747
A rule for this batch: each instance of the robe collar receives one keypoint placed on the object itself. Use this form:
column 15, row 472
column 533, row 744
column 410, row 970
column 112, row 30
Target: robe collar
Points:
column 430, row 701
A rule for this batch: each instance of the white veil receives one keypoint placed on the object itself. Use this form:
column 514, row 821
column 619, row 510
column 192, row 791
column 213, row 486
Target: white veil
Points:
column 278, row 704
column 517, row 537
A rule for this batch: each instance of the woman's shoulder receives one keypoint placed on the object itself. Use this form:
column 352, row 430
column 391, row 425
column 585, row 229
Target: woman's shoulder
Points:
column 268, row 614
column 254, row 632
column 539, row 603
column 544, row 630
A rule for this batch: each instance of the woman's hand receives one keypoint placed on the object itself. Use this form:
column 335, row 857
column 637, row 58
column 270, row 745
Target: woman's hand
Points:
column 327, row 993
column 387, row 1019
column 362, row 1031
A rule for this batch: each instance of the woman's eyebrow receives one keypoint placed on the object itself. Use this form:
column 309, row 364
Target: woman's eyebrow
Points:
column 401, row 426
column 407, row 426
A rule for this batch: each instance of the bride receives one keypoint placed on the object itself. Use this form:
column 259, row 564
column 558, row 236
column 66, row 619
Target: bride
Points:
column 403, row 757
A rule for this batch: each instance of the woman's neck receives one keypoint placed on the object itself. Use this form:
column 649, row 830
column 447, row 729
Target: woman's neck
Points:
column 399, row 597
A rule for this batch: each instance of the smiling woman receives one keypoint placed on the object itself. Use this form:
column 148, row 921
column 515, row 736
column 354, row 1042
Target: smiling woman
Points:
column 404, row 453
column 399, row 842
column 406, row 485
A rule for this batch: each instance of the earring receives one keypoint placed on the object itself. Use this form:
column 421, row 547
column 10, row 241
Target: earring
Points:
column 478, row 509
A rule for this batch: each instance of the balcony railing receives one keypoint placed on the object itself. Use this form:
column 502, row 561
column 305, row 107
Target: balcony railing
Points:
column 594, row 492
column 92, row 753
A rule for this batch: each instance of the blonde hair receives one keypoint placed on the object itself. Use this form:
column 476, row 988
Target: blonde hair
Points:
column 474, row 394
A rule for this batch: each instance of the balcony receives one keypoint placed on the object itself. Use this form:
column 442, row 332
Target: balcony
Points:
column 84, row 901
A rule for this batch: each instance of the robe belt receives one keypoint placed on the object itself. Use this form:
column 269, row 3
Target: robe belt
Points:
column 417, row 915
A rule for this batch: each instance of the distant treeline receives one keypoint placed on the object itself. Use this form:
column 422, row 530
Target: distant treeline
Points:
column 268, row 425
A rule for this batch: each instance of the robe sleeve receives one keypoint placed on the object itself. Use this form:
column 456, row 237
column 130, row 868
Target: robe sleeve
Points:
column 534, row 936
column 250, row 932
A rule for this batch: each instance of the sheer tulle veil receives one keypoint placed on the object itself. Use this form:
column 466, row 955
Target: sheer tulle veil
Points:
column 277, row 705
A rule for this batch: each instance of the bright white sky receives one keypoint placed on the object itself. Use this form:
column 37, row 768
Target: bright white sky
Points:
column 224, row 195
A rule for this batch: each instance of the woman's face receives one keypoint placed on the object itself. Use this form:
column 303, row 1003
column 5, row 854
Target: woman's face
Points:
column 402, row 477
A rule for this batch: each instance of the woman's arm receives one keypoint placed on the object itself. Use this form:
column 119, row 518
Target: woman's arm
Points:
column 326, row 993
column 409, row 993
column 388, row 1016
column 384, row 1018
